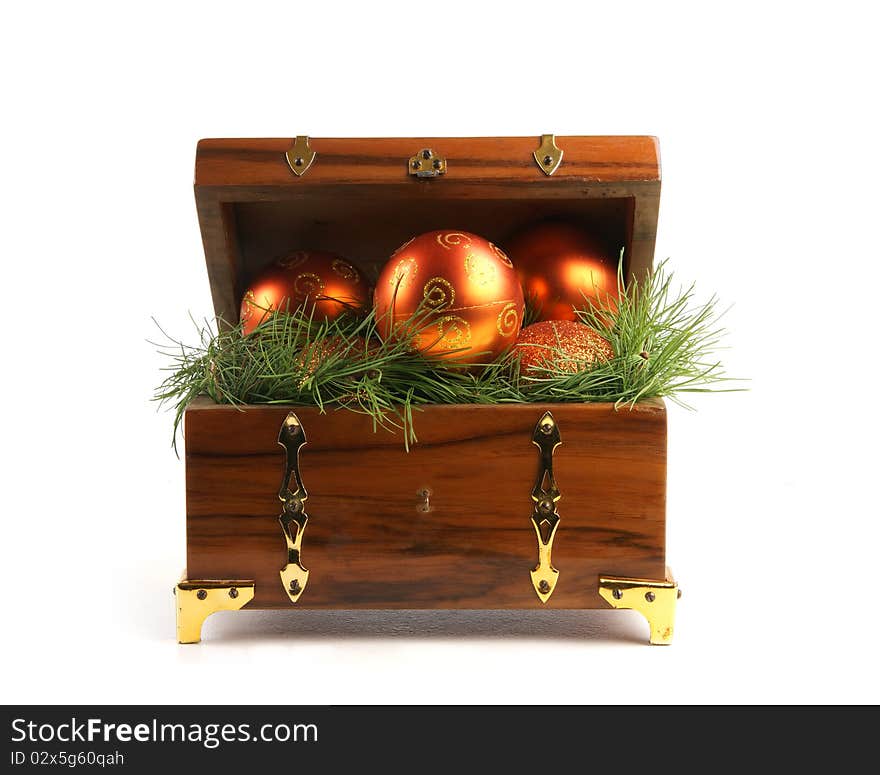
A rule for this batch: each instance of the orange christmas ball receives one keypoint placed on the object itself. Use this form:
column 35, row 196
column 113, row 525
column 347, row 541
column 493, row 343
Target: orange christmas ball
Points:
column 312, row 277
column 463, row 291
column 560, row 345
column 558, row 264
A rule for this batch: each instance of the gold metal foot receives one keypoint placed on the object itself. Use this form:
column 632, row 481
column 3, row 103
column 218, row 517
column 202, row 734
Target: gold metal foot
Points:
column 655, row 600
column 197, row 600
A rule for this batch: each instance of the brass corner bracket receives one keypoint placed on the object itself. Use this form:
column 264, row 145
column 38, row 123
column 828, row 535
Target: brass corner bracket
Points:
column 197, row 600
column 655, row 600
column 300, row 156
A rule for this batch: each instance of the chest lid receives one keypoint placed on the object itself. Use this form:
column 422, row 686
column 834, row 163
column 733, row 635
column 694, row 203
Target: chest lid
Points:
column 259, row 199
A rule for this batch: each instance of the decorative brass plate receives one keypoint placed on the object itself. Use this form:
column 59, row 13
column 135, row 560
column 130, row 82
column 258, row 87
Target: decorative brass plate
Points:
column 545, row 518
column 548, row 155
column 197, row 600
column 300, row 156
column 294, row 576
column 655, row 600
column 426, row 164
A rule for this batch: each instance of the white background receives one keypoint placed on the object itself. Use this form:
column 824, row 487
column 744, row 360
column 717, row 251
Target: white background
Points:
column 766, row 117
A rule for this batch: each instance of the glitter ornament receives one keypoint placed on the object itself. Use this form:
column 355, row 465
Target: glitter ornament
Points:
column 560, row 345
column 463, row 290
column 311, row 277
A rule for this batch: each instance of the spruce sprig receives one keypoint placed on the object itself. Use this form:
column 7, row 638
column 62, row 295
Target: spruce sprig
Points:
column 664, row 344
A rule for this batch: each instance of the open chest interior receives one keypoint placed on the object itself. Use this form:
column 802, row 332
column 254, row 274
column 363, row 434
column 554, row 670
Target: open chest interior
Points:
column 368, row 230
column 357, row 199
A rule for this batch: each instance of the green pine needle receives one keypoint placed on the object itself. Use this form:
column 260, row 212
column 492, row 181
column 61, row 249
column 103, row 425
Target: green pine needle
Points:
column 664, row 344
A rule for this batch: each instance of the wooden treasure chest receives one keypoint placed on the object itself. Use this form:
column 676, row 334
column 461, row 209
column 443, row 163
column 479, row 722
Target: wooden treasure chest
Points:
column 509, row 506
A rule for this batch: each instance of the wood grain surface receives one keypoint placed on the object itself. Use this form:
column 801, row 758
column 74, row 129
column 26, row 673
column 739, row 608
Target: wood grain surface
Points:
column 358, row 199
column 367, row 545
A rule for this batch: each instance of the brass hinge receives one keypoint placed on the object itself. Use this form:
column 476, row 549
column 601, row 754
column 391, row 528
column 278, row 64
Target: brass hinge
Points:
column 548, row 155
column 300, row 156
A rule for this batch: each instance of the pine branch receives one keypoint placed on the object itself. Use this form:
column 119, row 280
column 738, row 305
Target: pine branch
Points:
column 664, row 344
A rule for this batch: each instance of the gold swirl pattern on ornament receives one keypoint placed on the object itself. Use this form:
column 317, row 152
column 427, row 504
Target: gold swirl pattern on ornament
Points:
column 404, row 273
column 507, row 322
column 308, row 284
column 451, row 239
column 294, row 259
column 453, row 331
column 502, row 255
column 480, row 269
column 345, row 270
column 439, row 293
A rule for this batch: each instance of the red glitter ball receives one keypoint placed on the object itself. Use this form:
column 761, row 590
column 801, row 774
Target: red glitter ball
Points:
column 561, row 345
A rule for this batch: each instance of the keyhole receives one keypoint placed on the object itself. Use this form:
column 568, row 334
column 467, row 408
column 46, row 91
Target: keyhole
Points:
column 424, row 504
